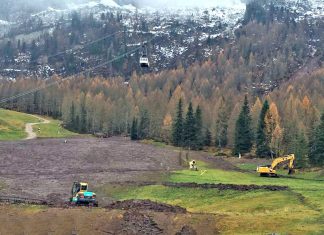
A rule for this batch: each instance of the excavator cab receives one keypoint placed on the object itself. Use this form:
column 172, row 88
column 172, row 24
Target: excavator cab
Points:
column 81, row 195
column 79, row 187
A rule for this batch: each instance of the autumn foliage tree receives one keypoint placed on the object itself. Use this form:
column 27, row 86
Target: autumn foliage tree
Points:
column 273, row 129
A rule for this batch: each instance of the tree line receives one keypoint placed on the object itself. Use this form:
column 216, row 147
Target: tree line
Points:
column 147, row 104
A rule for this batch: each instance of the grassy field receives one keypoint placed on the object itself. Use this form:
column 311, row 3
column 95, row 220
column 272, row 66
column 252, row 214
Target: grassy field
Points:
column 12, row 124
column 296, row 211
column 53, row 129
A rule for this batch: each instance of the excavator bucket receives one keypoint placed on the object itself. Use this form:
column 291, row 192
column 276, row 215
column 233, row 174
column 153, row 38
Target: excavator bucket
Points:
column 291, row 171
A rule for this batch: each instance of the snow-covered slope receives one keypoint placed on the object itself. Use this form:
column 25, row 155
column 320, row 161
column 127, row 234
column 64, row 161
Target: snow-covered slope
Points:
column 183, row 29
column 304, row 8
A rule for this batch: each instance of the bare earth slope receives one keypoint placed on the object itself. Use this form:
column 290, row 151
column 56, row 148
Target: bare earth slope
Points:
column 37, row 168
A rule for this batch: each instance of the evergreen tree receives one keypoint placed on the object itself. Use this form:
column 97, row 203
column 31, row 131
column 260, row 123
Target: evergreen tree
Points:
column 77, row 123
column 301, row 151
column 190, row 128
column 316, row 151
column 290, row 134
column 221, row 130
column 221, row 125
column 199, row 138
column 71, row 122
column 83, row 120
column 243, row 131
column 177, row 126
column 134, row 129
column 262, row 144
column 144, row 125
column 34, row 50
column 208, row 138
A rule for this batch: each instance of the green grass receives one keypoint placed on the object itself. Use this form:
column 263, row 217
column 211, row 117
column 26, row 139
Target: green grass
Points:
column 296, row 211
column 12, row 124
column 53, row 129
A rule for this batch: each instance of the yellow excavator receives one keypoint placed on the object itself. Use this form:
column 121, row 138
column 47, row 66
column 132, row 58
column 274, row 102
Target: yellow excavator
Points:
column 270, row 170
column 80, row 195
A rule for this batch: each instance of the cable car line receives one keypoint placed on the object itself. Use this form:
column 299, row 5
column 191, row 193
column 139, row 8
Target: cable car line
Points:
column 4, row 100
column 78, row 49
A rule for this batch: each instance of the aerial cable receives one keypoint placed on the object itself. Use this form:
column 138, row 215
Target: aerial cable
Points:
column 78, row 49
column 4, row 100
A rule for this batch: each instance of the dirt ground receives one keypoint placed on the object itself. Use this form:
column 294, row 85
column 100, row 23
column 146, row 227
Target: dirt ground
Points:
column 42, row 167
column 19, row 219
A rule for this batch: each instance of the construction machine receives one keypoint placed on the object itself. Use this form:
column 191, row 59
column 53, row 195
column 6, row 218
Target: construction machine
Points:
column 193, row 165
column 81, row 195
column 270, row 170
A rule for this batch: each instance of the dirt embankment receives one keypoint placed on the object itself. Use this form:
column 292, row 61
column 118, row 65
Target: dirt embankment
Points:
column 145, row 205
column 220, row 186
column 139, row 216
column 236, row 187
column 135, row 222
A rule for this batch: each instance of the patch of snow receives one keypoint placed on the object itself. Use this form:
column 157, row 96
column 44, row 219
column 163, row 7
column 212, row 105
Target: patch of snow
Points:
column 109, row 3
column 3, row 22
column 129, row 7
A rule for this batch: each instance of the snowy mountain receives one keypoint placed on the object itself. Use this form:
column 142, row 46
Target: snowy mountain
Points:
column 183, row 32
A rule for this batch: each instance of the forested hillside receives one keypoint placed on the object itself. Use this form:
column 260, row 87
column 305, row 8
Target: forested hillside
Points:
column 275, row 60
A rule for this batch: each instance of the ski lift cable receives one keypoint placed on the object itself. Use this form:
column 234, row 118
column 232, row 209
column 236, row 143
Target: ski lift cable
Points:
column 71, row 76
column 78, row 49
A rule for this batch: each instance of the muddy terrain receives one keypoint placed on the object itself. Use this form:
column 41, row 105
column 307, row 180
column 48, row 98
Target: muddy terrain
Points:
column 42, row 167
column 141, row 219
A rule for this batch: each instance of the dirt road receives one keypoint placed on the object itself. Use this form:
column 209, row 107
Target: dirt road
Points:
column 29, row 128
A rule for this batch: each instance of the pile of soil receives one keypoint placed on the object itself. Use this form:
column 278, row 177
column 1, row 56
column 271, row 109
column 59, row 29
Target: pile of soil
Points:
column 146, row 205
column 135, row 222
column 236, row 187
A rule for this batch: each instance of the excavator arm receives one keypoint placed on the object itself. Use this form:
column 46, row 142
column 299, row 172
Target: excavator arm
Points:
column 271, row 169
column 289, row 158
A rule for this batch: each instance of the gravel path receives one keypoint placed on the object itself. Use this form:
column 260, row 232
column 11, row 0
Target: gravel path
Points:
column 29, row 127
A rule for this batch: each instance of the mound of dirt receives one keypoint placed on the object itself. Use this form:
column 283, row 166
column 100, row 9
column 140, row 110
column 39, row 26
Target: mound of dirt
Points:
column 146, row 205
column 227, row 186
column 135, row 222
column 186, row 230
